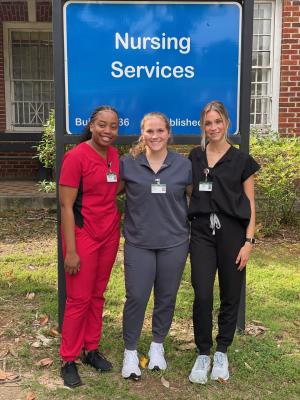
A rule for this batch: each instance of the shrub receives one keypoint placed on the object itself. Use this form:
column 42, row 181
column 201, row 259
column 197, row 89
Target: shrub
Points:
column 46, row 151
column 278, row 181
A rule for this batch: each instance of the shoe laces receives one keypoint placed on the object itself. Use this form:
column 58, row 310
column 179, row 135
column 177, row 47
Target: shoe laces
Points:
column 201, row 362
column 96, row 353
column 131, row 356
column 219, row 359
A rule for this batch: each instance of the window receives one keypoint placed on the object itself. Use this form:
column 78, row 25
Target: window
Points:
column 265, row 77
column 29, row 83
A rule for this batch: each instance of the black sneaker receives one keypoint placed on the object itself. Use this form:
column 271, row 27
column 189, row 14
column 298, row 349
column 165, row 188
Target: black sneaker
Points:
column 97, row 360
column 70, row 374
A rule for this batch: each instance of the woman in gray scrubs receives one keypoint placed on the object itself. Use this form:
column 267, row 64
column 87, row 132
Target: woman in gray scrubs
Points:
column 156, row 233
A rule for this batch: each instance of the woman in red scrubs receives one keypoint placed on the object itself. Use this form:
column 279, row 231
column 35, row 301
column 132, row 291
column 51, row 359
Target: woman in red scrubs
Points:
column 90, row 237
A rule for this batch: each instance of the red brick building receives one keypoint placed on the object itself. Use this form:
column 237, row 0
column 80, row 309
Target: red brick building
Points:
column 26, row 76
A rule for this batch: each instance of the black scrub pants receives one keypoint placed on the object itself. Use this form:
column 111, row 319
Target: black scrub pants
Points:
column 210, row 253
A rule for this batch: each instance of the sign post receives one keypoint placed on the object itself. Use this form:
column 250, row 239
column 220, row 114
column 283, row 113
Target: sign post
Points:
column 142, row 56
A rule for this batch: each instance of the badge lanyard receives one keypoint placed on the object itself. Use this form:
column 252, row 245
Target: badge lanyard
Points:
column 205, row 186
column 158, row 187
column 111, row 177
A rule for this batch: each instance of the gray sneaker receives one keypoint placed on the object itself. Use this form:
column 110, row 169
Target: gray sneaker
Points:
column 200, row 370
column 220, row 367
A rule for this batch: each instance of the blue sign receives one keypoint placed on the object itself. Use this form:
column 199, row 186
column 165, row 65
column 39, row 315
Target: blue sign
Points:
column 151, row 56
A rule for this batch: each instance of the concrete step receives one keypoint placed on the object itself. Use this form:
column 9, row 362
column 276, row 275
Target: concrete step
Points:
column 25, row 195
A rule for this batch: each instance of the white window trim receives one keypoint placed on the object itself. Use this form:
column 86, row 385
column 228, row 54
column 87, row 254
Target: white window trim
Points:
column 275, row 61
column 276, row 65
column 31, row 7
column 20, row 26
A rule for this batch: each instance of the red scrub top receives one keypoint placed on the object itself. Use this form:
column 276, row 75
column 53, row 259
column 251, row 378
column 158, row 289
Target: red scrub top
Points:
column 95, row 207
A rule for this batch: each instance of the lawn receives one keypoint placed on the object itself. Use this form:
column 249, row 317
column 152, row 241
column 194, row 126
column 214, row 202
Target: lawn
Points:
column 264, row 363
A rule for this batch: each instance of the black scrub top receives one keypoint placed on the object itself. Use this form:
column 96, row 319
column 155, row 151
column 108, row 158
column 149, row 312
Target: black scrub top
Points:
column 227, row 177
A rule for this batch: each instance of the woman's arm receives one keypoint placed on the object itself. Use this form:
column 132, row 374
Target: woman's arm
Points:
column 244, row 253
column 67, row 197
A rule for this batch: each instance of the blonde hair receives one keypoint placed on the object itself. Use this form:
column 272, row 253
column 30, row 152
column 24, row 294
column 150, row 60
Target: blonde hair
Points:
column 219, row 107
column 140, row 147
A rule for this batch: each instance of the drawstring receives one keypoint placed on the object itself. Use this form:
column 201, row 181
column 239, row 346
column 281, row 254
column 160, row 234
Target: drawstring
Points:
column 214, row 223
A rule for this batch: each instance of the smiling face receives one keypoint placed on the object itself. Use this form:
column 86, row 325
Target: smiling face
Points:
column 155, row 133
column 104, row 128
column 214, row 127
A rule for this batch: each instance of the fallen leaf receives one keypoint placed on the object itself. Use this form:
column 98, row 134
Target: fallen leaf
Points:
column 30, row 296
column 2, row 375
column 36, row 345
column 31, row 396
column 12, row 377
column 144, row 361
column 45, row 362
column 222, row 381
column 45, row 341
column 13, row 352
column 44, row 320
column 54, row 332
column 247, row 366
column 165, row 382
column 255, row 330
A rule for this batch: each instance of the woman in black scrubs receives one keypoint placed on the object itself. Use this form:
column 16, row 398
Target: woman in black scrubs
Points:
column 222, row 214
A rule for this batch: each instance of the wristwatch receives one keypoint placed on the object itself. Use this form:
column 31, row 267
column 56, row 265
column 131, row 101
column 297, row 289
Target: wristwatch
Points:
column 250, row 240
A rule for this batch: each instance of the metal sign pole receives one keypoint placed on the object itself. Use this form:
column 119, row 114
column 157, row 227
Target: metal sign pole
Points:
column 245, row 98
column 59, row 84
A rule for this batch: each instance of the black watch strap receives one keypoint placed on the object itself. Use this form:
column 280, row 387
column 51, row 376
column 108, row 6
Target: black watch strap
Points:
column 250, row 240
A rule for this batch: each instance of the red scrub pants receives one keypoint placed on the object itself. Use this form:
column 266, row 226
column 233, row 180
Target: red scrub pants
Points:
column 82, row 325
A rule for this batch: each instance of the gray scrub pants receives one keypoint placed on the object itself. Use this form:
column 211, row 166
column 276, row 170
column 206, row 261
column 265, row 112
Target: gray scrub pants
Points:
column 146, row 269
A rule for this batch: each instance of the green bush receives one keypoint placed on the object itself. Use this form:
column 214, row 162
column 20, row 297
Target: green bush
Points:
column 277, row 183
column 46, row 151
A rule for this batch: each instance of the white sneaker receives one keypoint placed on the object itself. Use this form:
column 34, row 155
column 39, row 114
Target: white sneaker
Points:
column 131, row 365
column 200, row 370
column 157, row 359
column 220, row 367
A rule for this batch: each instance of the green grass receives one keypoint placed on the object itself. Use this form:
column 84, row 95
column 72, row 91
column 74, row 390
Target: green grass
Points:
column 262, row 367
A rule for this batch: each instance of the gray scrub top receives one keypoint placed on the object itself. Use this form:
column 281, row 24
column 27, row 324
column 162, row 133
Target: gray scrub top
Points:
column 156, row 220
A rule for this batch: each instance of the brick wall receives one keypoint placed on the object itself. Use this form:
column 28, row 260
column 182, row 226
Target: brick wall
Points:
column 44, row 11
column 289, row 100
column 18, row 165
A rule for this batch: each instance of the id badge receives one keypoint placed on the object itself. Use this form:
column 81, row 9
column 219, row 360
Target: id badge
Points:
column 205, row 186
column 158, row 188
column 111, row 177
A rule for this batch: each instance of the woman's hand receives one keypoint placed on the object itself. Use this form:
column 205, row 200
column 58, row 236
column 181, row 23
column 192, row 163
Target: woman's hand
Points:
column 243, row 256
column 72, row 263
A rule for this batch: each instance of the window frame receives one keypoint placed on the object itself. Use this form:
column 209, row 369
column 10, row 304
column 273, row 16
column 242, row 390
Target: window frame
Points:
column 8, row 27
column 275, row 56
